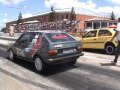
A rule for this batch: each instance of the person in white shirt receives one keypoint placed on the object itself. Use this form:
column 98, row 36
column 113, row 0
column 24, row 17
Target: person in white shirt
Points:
column 117, row 34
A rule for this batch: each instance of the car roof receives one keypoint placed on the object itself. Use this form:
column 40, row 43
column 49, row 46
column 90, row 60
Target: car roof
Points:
column 48, row 31
column 105, row 29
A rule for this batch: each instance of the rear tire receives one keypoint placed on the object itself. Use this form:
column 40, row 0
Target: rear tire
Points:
column 110, row 49
column 72, row 62
column 40, row 66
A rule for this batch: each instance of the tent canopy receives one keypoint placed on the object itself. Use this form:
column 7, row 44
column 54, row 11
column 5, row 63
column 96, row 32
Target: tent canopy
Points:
column 112, row 26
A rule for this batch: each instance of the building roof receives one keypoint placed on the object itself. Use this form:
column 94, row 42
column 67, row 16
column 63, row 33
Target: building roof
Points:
column 46, row 13
column 48, row 31
column 101, row 19
column 31, row 21
column 97, row 19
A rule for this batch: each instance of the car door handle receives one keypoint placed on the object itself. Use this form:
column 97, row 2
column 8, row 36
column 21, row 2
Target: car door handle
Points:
column 94, row 39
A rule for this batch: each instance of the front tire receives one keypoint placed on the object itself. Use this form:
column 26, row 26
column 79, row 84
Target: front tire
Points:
column 110, row 49
column 40, row 66
column 12, row 56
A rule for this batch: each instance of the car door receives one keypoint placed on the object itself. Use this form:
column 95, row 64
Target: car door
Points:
column 104, row 35
column 21, row 44
column 90, row 40
column 33, row 44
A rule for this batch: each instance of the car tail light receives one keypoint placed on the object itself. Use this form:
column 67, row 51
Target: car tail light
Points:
column 79, row 48
column 52, row 52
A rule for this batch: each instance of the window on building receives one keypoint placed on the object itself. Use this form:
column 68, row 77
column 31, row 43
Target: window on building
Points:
column 103, row 24
column 115, row 23
column 89, row 25
column 110, row 23
column 96, row 25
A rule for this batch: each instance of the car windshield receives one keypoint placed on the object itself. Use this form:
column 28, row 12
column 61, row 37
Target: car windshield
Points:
column 59, row 37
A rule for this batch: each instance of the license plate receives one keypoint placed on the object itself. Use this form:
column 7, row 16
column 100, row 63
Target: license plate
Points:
column 68, row 51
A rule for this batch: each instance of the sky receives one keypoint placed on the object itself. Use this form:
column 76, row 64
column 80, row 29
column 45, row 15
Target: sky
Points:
column 10, row 9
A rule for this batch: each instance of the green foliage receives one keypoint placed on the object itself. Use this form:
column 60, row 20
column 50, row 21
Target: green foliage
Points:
column 52, row 15
column 72, row 14
column 3, row 29
column 19, row 19
column 112, row 16
column 52, row 9
column 72, row 10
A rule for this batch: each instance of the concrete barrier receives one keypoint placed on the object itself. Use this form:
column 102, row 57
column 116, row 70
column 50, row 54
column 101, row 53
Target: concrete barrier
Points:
column 5, row 36
column 9, row 38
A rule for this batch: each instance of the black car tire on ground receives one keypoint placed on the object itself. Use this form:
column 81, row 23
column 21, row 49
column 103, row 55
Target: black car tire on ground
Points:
column 40, row 66
column 110, row 49
column 12, row 56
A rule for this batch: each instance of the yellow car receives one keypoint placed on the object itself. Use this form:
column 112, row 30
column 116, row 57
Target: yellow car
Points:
column 100, row 39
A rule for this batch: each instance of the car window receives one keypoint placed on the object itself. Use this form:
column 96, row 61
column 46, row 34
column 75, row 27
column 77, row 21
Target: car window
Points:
column 104, row 33
column 59, row 37
column 34, row 35
column 24, row 38
column 90, row 34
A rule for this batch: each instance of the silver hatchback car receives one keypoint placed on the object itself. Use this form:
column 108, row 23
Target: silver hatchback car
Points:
column 45, row 48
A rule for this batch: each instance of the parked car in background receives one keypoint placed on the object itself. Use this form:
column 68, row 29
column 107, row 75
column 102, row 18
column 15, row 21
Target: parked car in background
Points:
column 45, row 48
column 100, row 39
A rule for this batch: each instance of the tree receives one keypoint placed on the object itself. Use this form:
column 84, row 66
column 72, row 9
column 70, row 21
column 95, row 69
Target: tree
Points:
column 19, row 20
column 72, row 18
column 112, row 16
column 52, row 9
column 72, row 14
column 3, row 29
column 52, row 15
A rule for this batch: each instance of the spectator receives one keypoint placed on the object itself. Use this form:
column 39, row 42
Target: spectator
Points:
column 118, row 46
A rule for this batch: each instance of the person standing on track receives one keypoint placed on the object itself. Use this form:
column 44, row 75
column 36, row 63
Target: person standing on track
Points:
column 117, row 34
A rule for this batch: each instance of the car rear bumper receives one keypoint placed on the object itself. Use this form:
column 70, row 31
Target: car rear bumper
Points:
column 63, row 59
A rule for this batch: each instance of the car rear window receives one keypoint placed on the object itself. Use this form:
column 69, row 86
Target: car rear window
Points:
column 59, row 37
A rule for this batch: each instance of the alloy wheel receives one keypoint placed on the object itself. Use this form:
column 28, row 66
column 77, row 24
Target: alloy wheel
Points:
column 38, row 64
column 11, row 55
